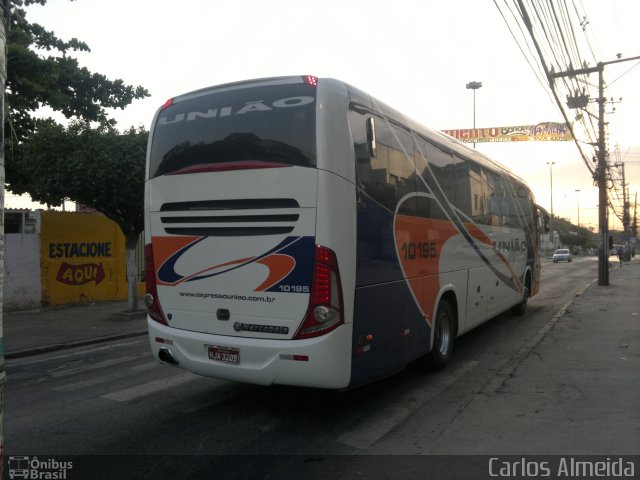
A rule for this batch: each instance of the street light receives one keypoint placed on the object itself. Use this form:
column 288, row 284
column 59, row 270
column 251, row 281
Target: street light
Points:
column 578, row 199
column 474, row 86
column 551, row 164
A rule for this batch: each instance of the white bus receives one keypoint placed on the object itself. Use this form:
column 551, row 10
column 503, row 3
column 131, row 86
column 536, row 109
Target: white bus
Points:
column 300, row 232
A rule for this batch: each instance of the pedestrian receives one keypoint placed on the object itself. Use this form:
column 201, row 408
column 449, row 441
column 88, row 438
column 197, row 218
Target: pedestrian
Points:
column 620, row 255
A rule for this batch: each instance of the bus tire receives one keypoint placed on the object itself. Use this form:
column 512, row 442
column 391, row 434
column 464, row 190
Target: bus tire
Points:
column 521, row 308
column 443, row 335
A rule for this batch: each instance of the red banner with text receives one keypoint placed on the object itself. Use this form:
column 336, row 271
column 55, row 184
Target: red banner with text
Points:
column 542, row 132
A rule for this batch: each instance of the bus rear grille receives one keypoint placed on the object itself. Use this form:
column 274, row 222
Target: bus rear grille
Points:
column 241, row 204
column 228, row 231
column 230, row 218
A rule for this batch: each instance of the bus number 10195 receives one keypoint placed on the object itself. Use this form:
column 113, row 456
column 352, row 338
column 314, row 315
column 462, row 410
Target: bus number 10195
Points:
column 294, row 288
column 418, row 250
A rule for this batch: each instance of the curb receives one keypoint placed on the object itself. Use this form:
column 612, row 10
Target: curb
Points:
column 68, row 306
column 124, row 316
column 29, row 352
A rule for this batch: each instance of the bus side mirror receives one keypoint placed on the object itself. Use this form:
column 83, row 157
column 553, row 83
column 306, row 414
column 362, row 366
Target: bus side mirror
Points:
column 543, row 219
column 371, row 136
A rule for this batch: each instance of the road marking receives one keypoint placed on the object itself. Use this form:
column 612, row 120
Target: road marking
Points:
column 384, row 421
column 48, row 357
column 66, row 370
column 154, row 386
column 121, row 373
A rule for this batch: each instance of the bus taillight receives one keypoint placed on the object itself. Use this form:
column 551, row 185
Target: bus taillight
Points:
column 310, row 80
column 151, row 298
column 167, row 104
column 325, row 311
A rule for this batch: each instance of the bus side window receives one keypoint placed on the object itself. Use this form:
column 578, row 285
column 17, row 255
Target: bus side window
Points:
column 384, row 158
column 402, row 167
column 543, row 219
column 435, row 166
column 523, row 203
column 372, row 172
column 359, row 131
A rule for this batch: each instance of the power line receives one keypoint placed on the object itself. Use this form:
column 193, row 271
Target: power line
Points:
column 540, row 76
column 631, row 68
column 552, row 32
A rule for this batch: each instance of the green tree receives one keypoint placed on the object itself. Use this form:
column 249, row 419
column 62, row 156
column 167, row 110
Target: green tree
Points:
column 573, row 240
column 97, row 167
column 573, row 236
column 42, row 72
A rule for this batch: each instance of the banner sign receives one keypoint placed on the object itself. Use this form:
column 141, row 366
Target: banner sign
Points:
column 542, row 132
column 82, row 258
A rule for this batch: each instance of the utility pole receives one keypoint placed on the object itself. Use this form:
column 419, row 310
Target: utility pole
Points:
column 634, row 228
column 601, row 169
column 626, row 220
column 601, row 176
column 635, row 216
column 551, row 239
column 578, row 201
column 4, row 21
column 474, row 86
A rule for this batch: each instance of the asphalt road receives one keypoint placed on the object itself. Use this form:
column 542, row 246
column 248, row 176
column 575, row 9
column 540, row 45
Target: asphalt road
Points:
column 116, row 399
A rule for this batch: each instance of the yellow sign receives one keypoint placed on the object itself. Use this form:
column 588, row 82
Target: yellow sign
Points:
column 542, row 132
column 82, row 258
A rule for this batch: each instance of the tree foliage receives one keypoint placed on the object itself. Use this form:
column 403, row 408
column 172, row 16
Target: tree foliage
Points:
column 573, row 240
column 572, row 235
column 42, row 72
column 97, row 167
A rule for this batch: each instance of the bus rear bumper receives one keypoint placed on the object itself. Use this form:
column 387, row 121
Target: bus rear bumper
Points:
column 322, row 362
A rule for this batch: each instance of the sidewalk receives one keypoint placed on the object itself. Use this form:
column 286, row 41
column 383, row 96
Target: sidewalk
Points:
column 54, row 328
column 574, row 389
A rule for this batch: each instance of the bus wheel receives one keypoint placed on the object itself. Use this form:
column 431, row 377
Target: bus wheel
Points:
column 440, row 353
column 521, row 308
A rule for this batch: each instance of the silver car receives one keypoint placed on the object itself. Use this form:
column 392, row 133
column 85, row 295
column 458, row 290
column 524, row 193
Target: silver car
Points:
column 562, row 255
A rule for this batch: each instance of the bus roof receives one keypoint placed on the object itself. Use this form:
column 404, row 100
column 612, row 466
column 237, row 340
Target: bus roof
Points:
column 362, row 98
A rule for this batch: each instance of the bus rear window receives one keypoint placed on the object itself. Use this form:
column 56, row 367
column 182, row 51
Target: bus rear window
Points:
column 263, row 125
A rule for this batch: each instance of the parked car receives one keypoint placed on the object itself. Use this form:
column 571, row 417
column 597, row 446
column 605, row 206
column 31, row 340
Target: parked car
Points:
column 562, row 255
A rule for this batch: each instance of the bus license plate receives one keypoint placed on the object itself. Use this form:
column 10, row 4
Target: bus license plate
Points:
column 224, row 354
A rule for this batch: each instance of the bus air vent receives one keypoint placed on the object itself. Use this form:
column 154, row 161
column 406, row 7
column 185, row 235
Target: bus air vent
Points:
column 242, row 204
column 230, row 218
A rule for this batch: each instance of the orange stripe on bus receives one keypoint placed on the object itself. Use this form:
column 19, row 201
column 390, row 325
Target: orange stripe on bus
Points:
column 279, row 266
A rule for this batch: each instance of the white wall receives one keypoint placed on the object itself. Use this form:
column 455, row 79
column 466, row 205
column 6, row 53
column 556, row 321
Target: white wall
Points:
column 22, row 284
